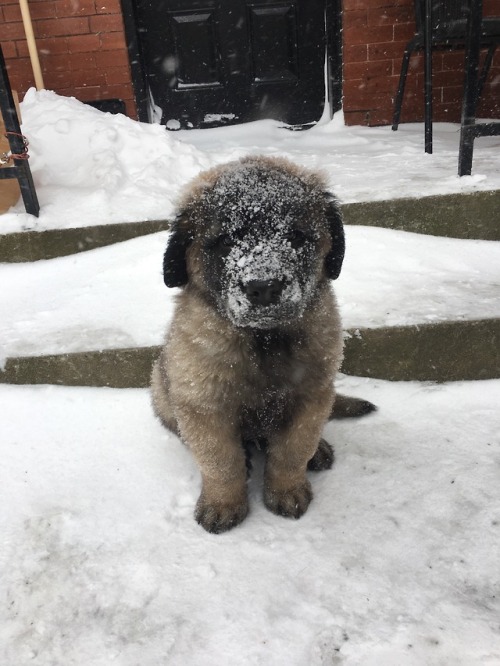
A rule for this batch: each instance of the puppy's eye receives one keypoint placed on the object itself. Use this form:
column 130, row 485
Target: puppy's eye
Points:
column 223, row 244
column 225, row 241
column 296, row 238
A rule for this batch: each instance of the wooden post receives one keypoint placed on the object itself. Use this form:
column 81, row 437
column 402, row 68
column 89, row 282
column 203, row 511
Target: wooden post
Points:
column 30, row 37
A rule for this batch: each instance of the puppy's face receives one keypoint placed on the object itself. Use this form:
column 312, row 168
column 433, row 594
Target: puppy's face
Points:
column 260, row 239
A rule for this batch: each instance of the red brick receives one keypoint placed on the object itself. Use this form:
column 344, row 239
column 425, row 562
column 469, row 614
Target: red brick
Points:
column 20, row 74
column 355, row 19
column 75, row 7
column 382, row 85
column 451, row 60
column 355, row 53
column 447, row 79
column 359, row 35
column 60, row 79
column 403, row 32
column 116, row 75
column 361, row 100
column 384, row 51
column 491, row 8
column 84, row 94
column 110, row 41
column 43, row 10
column 83, row 43
column 356, row 117
column 46, row 46
column 372, row 4
column 380, row 116
column 367, row 70
column 10, row 49
column 12, row 31
column 11, row 13
column 452, row 94
column 121, row 91
column 37, row 11
column 108, row 6
column 63, row 26
column 106, row 23
column 106, row 59
column 70, row 62
column 449, row 113
column 390, row 16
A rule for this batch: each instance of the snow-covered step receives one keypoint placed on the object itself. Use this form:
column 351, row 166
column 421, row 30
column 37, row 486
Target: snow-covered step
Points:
column 114, row 297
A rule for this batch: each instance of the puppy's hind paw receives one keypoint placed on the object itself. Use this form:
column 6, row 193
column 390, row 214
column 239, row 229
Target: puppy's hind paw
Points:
column 217, row 518
column 289, row 503
column 323, row 458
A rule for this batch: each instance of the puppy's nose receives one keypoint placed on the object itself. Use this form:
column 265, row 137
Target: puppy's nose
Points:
column 263, row 292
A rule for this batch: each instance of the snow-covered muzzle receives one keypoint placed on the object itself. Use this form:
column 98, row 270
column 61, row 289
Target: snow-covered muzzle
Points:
column 267, row 281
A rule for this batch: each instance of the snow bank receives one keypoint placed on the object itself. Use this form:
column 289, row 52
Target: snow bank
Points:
column 395, row 562
column 92, row 168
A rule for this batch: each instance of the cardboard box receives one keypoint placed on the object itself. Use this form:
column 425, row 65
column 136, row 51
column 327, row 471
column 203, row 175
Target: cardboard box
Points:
column 9, row 187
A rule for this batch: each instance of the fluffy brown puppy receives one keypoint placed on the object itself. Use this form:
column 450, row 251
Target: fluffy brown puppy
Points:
column 256, row 340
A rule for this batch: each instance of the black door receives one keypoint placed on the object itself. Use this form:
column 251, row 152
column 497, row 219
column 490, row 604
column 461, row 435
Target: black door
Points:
column 212, row 62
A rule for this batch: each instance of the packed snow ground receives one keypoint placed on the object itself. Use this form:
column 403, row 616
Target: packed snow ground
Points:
column 394, row 564
column 95, row 168
column 114, row 297
column 101, row 562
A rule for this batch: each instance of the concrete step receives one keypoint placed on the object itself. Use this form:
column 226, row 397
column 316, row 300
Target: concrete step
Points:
column 447, row 351
column 452, row 215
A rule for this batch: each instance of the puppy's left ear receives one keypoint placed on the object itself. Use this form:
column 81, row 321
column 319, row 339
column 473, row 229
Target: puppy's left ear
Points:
column 174, row 260
column 334, row 259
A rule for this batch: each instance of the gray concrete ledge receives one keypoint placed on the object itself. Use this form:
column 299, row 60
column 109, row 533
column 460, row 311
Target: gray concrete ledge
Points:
column 453, row 215
column 449, row 351
column 35, row 245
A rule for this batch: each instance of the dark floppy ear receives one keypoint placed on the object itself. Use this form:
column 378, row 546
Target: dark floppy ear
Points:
column 334, row 259
column 174, row 260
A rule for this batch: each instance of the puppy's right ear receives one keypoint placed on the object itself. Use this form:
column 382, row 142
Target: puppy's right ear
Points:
column 174, row 260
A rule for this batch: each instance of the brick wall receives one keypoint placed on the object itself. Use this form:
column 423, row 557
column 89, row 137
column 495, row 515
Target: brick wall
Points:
column 375, row 35
column 83, row 53
column 81, row 46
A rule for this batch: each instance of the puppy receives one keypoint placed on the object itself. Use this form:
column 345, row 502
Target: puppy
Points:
column 256, row 339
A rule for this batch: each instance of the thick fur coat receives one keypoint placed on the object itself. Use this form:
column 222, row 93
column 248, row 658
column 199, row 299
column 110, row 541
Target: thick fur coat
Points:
column 256, row 340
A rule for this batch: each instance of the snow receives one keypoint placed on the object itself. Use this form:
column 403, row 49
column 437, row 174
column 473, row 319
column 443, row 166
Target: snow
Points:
column 95, row 168
column 101, row 562
column 115, row 296
column 395, row 562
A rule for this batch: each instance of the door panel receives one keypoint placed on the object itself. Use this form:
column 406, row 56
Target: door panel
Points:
column 209, row 62
column 273, row 43
column 195, row 67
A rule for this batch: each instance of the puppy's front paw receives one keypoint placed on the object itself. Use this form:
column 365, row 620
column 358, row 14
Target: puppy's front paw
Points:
column 290, row 503
column 219, row 517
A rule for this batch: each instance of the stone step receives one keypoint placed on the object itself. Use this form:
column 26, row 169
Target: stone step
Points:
column 446, row 351
column 452, row 215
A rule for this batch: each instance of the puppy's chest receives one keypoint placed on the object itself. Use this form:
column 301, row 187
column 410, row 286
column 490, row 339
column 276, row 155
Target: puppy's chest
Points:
column 277, row 366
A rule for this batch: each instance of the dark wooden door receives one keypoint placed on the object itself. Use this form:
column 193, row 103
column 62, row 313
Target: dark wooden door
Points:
column 212, row 62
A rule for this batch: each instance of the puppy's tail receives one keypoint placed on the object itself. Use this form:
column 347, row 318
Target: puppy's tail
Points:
column 346, row 406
